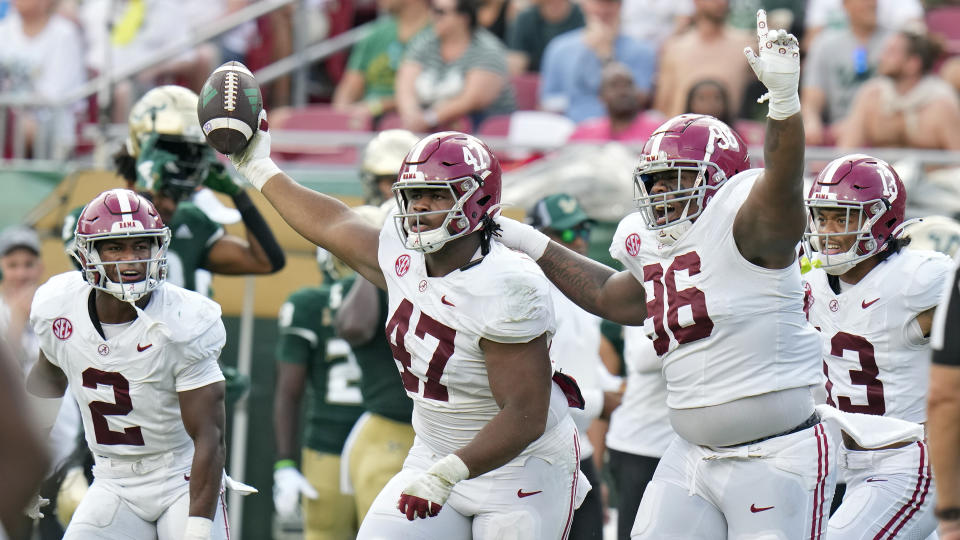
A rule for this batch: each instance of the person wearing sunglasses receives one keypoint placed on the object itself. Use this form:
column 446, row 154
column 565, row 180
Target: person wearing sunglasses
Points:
column 575, row 350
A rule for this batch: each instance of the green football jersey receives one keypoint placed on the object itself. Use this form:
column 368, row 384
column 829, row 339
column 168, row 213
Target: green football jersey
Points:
column 308, row 337
column 381, row 385
column 193, row 234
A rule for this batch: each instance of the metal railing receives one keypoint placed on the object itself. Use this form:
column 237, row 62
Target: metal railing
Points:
column 50, row 146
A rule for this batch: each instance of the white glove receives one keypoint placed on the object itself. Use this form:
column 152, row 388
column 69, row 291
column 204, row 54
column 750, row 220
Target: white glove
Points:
column 425, row 496
column 288, row 485
column 778, row 68
column 33, row 507
column 522, row 237
column 253, row 162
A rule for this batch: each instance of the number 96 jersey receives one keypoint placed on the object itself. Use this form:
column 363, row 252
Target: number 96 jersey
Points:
column 126, row 385
column 874, row 353
column 435, row 325
column 724, row 328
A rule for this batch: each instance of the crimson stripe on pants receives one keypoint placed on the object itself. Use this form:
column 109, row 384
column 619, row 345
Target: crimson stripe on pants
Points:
column 923, row 486
column 573, row 490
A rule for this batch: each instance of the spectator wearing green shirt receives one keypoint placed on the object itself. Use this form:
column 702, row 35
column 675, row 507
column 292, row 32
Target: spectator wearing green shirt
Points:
column 367, row 86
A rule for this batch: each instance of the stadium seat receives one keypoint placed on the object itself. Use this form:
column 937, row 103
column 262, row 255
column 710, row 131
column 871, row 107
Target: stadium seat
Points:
column 526, row 88
column 946, row 22
column 495, row 126
column 752, row 131
column 319, row 118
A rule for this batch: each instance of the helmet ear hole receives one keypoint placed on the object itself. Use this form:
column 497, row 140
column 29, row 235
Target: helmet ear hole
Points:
column 482, row 202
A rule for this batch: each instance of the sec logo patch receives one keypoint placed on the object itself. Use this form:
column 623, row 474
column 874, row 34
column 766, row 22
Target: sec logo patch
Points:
column 632, row 244
column 402, row 265
column 62, row 328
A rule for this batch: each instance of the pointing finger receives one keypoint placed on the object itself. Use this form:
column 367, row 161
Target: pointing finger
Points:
column 761, row 24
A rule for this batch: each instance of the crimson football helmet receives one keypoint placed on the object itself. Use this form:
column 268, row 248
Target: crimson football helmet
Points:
column 688, row 142
column 873, row 198
column 460, row 163
column 114, row 214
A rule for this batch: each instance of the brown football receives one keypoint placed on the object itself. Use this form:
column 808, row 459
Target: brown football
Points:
column 229, row 107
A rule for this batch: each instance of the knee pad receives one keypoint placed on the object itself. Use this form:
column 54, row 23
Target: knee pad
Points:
column 97, row 512
column 511, row 526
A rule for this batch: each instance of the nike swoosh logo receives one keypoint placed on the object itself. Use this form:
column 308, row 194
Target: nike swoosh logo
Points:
column 866, row 304
column 141, row 348
column 522, row 494
column 755, row 509
column 443, row 299
column 876, row 479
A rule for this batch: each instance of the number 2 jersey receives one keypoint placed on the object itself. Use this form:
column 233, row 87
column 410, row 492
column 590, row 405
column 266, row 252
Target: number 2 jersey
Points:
column 435, row 326
column 127, row 385
column 724, row 328
column 874, row 354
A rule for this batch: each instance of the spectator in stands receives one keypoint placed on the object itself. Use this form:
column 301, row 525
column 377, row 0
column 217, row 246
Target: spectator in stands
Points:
column 906, row 105
column 709, row 96
column 573, row 62
column 625, row 120
column 840, row 60
column 496, row 16
column 454, row 71
column 654, row 21
column 829, row 14
column 711, row 49
column 120, row 34
column 42, row 57
column 950, row 71
column 534, row 27
column 367, row 87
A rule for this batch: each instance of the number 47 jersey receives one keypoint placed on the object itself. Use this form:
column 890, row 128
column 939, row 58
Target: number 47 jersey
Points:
column 435, row 326
column 724, row 328
column 875, row 356
column 127, row 385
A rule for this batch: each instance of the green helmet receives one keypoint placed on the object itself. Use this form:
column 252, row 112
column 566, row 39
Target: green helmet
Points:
column 165, row 138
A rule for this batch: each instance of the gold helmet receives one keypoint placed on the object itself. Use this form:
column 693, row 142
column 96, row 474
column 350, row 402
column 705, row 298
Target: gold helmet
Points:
column 383, row 156
column 331, row 266
column 934, row 233
column 169, row 111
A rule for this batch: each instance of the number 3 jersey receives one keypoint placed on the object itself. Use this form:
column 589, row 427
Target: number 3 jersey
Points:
column 435, row 327
column 874, row 354
column 126, row 386
column 724, row 328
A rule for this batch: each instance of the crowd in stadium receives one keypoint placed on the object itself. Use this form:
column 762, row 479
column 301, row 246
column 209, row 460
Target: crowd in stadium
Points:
column 874, row 71
column 768, row 350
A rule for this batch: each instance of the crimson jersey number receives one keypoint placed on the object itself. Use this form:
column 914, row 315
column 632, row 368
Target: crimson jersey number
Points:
column 100, row 410
column 665, row 282
column 398, row 326
column 866, row 376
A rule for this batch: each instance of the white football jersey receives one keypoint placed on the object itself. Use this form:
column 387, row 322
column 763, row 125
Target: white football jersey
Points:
column 575, row 350
column 435, row 326
column 874, row 361
column 724, row 328
column 126, row 386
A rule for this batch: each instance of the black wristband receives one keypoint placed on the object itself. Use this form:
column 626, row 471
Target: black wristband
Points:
column 258, row 227
column 947, row 514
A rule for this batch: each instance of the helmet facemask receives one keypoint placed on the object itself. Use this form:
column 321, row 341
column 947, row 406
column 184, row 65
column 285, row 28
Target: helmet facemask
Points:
column 859, row 219
column 172, row 166
column 455, row 223
column 656, row 208
column 94, row 267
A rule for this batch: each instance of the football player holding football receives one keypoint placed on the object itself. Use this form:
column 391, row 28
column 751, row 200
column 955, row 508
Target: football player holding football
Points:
column 167, row 158
column 873, row 303
column 712, row 276
column 469, row 323
column 140, row 355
